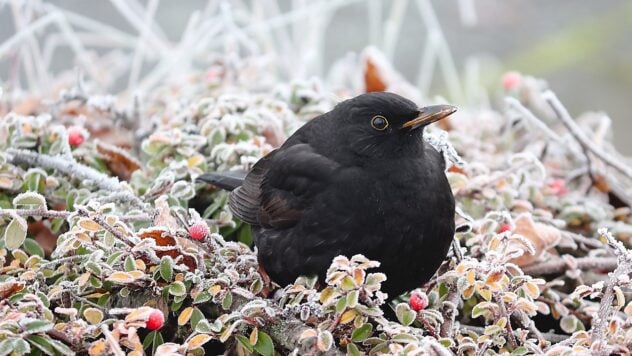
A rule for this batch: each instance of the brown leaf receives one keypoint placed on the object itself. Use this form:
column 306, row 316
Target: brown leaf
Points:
column 373, row 81
column 118, row 161
column 8, row 289
column 543, row 237
column 163, row 238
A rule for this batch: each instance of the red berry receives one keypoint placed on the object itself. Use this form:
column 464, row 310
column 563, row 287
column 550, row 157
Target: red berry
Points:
column 503, row 228
column 156, row 320
column 75, row 136
column 198, row 231
column 511, row 80
column 418, row 301
column 558, row 187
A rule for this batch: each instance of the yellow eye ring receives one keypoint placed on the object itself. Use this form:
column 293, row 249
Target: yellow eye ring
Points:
column 379, row 122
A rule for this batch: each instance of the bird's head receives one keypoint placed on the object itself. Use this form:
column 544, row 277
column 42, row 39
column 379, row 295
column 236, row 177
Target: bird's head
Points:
column 386, row 125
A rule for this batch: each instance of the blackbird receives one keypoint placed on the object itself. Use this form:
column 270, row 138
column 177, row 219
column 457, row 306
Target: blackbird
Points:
column 359, row 179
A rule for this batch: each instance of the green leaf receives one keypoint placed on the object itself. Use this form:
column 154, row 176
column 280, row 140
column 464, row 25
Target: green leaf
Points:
column 264, row 344
column 519, row 351
column 202, row 297
column 42, row 342
column 61, row 347
column 196, row 317
column 33, row 248
column 341, row 304
column 130, row 264
column 8, row 346
column 362, row 333
column 153, row 340
column 203, row 327
column 243, row 341
column 114, row 257
column 352, row 350
column 15, row 234
column 569, row 324
column 177, row 288
column 404, row 314
column 30, row 199
column 34, row 326
column 21, row 347
column 166, row 268
column 227, row 301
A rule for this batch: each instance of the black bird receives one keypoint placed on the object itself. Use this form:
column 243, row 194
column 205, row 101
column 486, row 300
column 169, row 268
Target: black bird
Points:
column 358, row 179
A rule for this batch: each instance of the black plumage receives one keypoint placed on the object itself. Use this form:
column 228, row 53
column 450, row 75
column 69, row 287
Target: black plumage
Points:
column 358, row 179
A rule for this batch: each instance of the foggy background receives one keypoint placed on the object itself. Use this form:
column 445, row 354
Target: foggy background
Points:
column 583, row 48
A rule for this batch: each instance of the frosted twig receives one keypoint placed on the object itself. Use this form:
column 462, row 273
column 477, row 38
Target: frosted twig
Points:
column 559, row 265
column 115, row 348
column 139, row 51
column 527, row 114
column 71, row 168
column 563, row 115
column 601, row 320
column 64, row 214
column 99, row 220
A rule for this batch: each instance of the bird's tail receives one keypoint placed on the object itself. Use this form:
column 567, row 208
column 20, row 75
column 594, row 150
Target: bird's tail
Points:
column 228, row 180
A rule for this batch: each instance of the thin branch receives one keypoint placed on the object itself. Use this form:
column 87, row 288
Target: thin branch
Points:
column 603, row 317
column 577, row 132
column 71, row 168
column 559, row 265
column 99, row 220
column 449, row 311
column 551, row 337
column 64, row 214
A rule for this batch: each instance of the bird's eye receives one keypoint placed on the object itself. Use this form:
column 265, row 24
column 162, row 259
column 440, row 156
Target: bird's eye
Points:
column 379, row 122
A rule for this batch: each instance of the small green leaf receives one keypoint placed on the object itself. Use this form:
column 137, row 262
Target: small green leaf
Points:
column 42, row 342
column 196, row 317
column 130, row 264
column 34, row 326
column 243, row 341
column 15, row 234
column 404, row 314
column 33, row 248
column 61, row 347
column 202, row 297
column 569, row 324
column 341, row 304
column 30, row 199
column 203, row 327
column 166, row 268
column 519, row 351
column 352, row 350
column 362, row 333
column 227, row 301
column 264, row 344
column 177, row 288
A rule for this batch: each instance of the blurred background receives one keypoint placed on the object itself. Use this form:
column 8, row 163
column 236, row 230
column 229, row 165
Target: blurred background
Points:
column 581, row 47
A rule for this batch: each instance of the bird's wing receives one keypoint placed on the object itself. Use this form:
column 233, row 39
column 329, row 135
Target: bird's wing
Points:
column 281, row 186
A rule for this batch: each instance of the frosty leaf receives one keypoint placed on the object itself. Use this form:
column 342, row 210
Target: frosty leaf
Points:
column 30, row 199
column 264, row 344
column 185, row 315
column 324, row 340
column 93, row 315
column 362, row 333
column 15, row 233
column 198, row 341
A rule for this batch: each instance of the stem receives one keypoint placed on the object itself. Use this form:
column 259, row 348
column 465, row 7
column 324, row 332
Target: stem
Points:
column 559, row 265
column 579, row 135
column 72, row 168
